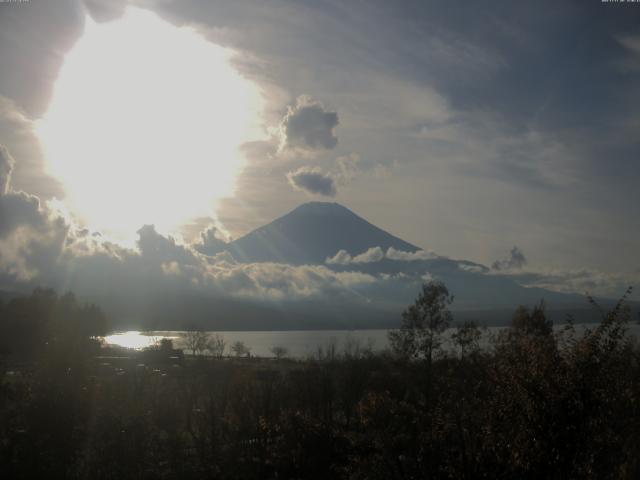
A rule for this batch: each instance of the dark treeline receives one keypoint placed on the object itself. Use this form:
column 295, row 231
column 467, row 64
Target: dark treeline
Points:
column 537, row 404
column 43, row 323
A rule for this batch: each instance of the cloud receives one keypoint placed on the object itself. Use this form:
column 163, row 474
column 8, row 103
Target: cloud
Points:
column 472, row 268
column 6, row 167
column 276, row 281
column 157, row 248
column 31, row 234
column 428, row 277
column 212, row 241
column 313, row 181
column 342, row 257
column 606, row 284
column 516, row 261
column 105, row 10
column 41, row 244
column 34, row 65
column 631, row 62
column 393, row 254
column 307, row 125
column 376, row 254
column 161, row 265
column 349, row 168
column 18, row 210
column 166, row 265
column 19, row 138
column 372, row 255
column 430, row 75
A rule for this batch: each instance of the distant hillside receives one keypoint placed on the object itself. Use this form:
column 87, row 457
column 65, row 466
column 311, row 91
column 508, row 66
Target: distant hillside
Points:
column 6, row 295
column 311, row 233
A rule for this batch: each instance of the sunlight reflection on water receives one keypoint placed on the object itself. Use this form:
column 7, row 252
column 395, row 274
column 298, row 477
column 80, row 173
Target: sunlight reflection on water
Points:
column 134, row 339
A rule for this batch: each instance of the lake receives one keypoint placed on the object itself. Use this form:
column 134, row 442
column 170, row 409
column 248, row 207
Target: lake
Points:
column 299, row 343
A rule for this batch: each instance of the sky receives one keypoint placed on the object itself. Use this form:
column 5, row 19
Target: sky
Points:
column 463, row 128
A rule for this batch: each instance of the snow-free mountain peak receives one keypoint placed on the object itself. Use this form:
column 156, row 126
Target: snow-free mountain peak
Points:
column 312, row 232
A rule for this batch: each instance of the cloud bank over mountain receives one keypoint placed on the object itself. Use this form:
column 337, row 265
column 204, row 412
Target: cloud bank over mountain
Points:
column 279, row 264
column 40, row 244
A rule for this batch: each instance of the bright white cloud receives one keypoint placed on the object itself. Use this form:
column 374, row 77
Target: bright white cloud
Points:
column 393, row 254
column 376, row 254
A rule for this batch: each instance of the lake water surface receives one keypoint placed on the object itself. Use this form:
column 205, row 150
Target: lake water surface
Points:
column 300, row 343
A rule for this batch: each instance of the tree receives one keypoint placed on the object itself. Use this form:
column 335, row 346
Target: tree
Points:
column 44, row 321
column 423, row 323
column 197, row 341
column 466, row 337
column 533, row 322
column 166, row 345
column 216, row 345
column 279, row 352
column 240, row 349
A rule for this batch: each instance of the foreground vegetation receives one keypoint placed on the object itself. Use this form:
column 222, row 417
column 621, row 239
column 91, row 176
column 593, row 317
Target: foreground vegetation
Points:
column 538, row 404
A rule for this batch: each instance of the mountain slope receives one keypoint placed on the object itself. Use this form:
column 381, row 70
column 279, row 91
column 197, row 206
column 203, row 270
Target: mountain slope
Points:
column 311, row 233
column 315, row 231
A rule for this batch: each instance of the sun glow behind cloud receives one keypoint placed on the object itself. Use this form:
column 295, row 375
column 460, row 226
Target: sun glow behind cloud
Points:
column 145, row 123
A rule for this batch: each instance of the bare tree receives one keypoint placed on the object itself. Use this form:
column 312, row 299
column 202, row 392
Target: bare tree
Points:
column 279, row 352
column 216, row 345
column 356, row 348
column 240, row 349
column 197, row 341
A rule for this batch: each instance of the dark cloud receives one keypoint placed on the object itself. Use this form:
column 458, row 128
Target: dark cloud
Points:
column 105, row 10
column 313, row 181
column 34, row 36
column 516, row 261
column 158, row 248
column 308, row 125
column 6, row 167
column 32, row 235
column 212, row 241
column 17, row 209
